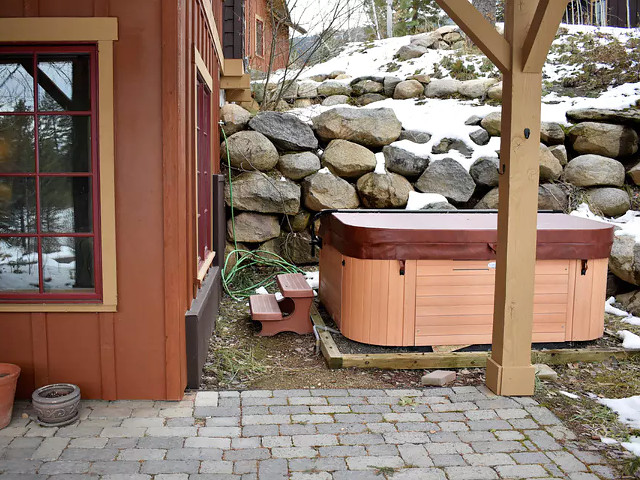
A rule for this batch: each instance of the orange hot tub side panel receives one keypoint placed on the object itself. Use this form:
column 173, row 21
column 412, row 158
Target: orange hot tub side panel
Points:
column 450, row 302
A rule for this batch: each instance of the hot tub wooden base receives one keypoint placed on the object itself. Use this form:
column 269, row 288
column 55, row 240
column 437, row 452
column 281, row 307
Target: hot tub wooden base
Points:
column 450, row 302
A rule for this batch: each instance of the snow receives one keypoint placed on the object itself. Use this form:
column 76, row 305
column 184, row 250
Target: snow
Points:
column 572, row 396
column 627, row 317
column 381, row 168
column 324, row 170
column 630, row 340
column 628, row 411
column 313, row 279
column 608, row 441
column 261, row 291
column 417, row 201
column 633, row 445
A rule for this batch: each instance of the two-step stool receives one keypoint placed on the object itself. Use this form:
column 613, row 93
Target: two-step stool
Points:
column 291, row 314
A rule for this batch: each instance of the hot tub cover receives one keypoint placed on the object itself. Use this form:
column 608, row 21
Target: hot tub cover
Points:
column 465, row 236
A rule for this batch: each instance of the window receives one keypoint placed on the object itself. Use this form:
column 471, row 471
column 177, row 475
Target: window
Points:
column 49, row 190
column 259, row 37
column 204, row 194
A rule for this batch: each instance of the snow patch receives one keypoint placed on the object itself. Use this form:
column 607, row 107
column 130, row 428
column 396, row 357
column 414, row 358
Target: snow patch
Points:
column 313, row 279
column 381, row 168
column 417, row 201
column 572, row 396
column 630, row 341
column 627, row 317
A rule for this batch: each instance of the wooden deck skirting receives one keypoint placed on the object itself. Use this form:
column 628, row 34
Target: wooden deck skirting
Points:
column 419, row 361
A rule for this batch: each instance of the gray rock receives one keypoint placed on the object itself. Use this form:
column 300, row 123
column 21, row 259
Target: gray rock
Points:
column 407, row 52
column 319, row 78
column 333, row 87
column 448, row 178
column 390, row 83
column 624, row 260
column 447, row 144
column 480, row 136
column 259, row 89
column 594, row 171
column 495, row 92
column 551, row 133
column 634, row 174
column 367, row 86
column 630, row 302
column 550, row 167
column 442, row 87
column 368, row 98
column 442, row 31
column 293, row 247
column 422, row 78
column 298, row 222
column 404, row 162
column 324, row 190
column 372, row 127
column 337, row 73
column 250, row 151
column 335, row 100
column 347, row 159
column 257, row 192
column 629, row 117
column 476, row 88
column 231, row 256
column 551, row 196
column 372, row 78
column 491, row 123
column 473, row 120
column 426, row 40
column 560, row 152
column 415, row 136
column 302, row 103
column 484, row 171
column 235, row 118
column 439, row 206
column 613, row 141
column 253, row 227
column 296, row 166
column 452, row 37
column 489, row 201
column 308, row 89
column 383, row 191
column 610, row 202
column 408, row 89
column 286, row 131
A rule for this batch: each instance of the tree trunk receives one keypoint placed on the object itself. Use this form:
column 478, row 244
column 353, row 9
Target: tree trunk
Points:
column 486, row 8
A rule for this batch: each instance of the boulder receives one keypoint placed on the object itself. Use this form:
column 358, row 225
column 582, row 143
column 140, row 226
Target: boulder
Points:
column 448, row 178
column 296, row 166
column 492, row 123
column 302, row 103
column 426, row 40
column 484, row 171
column 610, row 202
column 390, row 83
column 372, row 127
column 560, row 152
column 259, row 88
column 415, row 136
column 347, row 159
column 308, row 89
column 366, row 86
column 421, row 77
column 257, row 192
column 624, row 260
column 319, row 77
column 476, row 88
column 473, row 121
column 335, row 100
column 408, row 89
column 342, row 76
column 298, row 222
column 337, row 73
column 550, row 167
column 383, row 190
column 495, row 92
column 235, row 118
column 286, row 131
column 629, row 117
column 552, row 196
column 253, row 227
column 439, row 206
column 442, row 31
column 249, row 150
column 604, row 139
column 231, row 257
column 403, row 162
column 293, row 247
column 442, row 87
column 551, row 133
column 333, row 87
column 407, row 52
column 368, row 98
column 281, row 106
column 447, row 144
column 480, row 136
column 630, row 302
column 452, row 37
column 489, row 201
column 594, row 171
column 634, row 174
column 324, row 190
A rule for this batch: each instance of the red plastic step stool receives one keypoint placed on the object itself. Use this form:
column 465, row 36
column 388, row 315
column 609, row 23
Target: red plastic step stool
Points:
column 291, row 314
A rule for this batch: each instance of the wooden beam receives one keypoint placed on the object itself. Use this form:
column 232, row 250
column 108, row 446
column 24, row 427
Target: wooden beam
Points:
column 238, row 95
column 541, row 34
column 480, row 30
column 242, row 82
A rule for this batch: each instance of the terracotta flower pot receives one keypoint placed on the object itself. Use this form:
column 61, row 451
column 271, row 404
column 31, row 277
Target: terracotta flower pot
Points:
column 9, row 374
column 56, row 404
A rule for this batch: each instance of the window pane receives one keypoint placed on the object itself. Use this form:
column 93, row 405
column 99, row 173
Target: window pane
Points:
column 64, row 143
column 19, row 265
column 16, row 83
column 17, row 205
column 64, row 82
column 17, row 140
column 67, row 264
column 65, row 204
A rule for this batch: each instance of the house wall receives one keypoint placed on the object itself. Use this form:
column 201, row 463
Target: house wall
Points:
column 138, row 351
column 259, row 8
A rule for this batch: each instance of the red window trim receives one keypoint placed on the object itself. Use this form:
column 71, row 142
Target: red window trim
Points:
column 94, row 174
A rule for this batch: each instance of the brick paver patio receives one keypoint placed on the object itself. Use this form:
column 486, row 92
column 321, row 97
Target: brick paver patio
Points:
column 439, row 433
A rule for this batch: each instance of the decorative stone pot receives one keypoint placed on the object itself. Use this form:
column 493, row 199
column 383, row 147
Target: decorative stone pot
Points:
column 9, row 374
column 57, row 404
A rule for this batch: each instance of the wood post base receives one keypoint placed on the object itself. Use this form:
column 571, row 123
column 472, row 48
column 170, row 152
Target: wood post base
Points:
column 510, row 380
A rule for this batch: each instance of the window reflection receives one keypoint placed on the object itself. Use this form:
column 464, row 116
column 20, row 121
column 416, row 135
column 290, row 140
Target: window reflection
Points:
column 65, row 204
column 64, row 143
column 67, row 264
column 17, row 205
column 19, row 267
column 63, row 83
column 17, row 151
column 16, row 83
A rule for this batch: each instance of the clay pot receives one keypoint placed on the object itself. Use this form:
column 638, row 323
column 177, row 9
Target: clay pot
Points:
column 57, row 404
column 9, row 374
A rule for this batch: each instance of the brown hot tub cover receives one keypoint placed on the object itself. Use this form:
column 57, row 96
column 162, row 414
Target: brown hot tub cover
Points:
column 460, row 236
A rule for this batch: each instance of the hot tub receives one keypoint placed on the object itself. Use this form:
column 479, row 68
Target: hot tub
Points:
column 415, row 279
